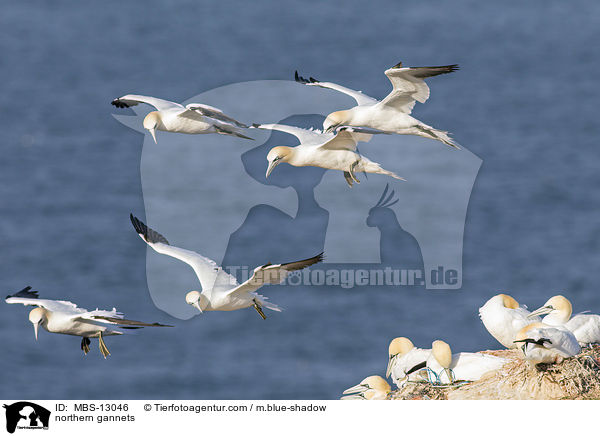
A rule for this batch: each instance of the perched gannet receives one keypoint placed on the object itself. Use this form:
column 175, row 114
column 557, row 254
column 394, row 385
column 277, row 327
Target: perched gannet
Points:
column 405, row 361
column 66, row 318
column 503, row 318
column 446, row 368
column 558, row 309
column 194, row 118
column 335, row 151
column 541, row 343
column 373, row 387
column 220, row 290
column 392, row 114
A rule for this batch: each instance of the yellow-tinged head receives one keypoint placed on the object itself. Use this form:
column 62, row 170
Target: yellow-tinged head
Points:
column 276, row 156
column 151, row 123
column 558, row 310
column 400, row 346
column 37, row 317
column 509, row 302
column 335, row 119
column 560, row 304
column 524, row 332
column 442, row 353
column 376, row 383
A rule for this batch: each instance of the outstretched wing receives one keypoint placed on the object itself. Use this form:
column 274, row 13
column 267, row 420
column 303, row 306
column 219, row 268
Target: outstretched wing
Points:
column 306, row 136
column 27, row 297
column 214, row 113
column 206, row 269
column 361, row 99
column 133, row 100
column 409, row 85
column 347, row 137
column 117, row 320
column 273, row 274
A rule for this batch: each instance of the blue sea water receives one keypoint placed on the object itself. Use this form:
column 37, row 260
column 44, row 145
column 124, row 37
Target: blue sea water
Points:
column 523, row 101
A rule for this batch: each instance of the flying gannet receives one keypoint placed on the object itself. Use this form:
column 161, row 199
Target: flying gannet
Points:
column 558, row 310
column 392, row 114
column 446, row 368
column 503, row 318
column 373, row 387
column 405, row 361
column 66, row 318
column 541, row 343
column 194, row 118
column 220, row 290
column 335, row 151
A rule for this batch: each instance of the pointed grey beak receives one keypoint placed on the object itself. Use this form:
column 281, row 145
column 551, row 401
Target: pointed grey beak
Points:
column 153, row 132
column 197, row 306
column 353, row 397
column 272, row 165
column 36, row 326
column 391, row 361
column 541, row 311
column 450, row 375
column 355, row 390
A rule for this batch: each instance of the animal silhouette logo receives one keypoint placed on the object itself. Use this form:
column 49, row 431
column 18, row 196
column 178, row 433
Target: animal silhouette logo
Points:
column 210, row 193
column 26, row 415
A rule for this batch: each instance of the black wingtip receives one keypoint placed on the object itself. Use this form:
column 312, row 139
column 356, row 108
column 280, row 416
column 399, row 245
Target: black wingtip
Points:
column 302, row 80
column 149, row 235
column 25, row 293
column 256, row 125
column 118, row 103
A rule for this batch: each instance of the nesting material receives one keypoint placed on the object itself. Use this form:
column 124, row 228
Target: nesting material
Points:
column 575, row 378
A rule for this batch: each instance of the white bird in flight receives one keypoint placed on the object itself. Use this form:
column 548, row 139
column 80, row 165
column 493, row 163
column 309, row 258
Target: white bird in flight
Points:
column 64, row 317
column 220, row 290
column 335, row 151
column 405, row 361
column 503, row 318
column 448, row 368
column 392, row 114
column 558, row 310
column 373, row 387
column 194, row 118
column 541, row 343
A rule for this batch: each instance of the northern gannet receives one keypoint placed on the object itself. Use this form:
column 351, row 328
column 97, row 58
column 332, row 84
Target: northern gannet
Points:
column 541, row 343
column 392, row 114
column 373, row 387
column 193, row 118
column 503, row 318
column 405, row 361
column 220, row 290
column 66, row 318
column 446, row 368
column 335, row 151
column 558, row 310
